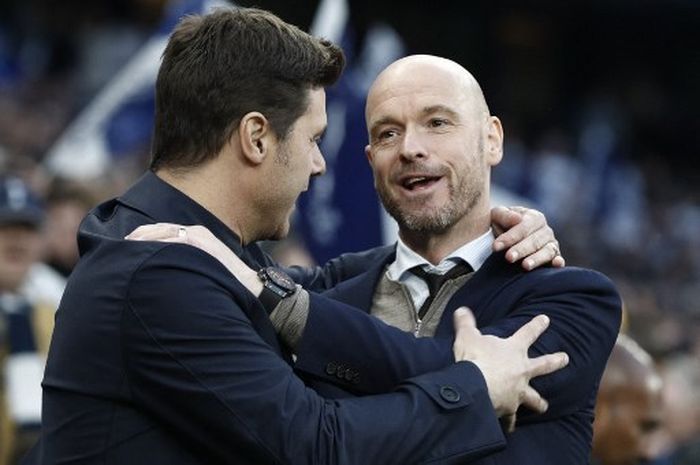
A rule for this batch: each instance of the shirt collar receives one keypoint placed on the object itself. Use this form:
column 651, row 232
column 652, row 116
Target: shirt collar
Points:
column 474, row 252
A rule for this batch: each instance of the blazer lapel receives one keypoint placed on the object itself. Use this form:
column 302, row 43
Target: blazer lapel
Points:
column 359, row 291
column 477, row 292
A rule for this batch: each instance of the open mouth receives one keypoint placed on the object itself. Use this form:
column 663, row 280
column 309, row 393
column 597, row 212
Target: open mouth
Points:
column 418, row 183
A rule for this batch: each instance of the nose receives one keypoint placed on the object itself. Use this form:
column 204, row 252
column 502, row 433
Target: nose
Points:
column 412, row 146
column 318, row 164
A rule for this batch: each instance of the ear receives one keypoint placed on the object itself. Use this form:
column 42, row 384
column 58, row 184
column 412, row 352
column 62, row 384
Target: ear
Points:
column 256, row 137
column 493, row 146
column 368, row 153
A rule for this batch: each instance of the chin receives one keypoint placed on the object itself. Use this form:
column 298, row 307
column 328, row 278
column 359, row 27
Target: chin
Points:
column 281, row 232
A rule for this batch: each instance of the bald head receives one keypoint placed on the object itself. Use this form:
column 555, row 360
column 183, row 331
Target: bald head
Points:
column 628, row 409
column 432, row 144
column 629, row 365
column 426, row 71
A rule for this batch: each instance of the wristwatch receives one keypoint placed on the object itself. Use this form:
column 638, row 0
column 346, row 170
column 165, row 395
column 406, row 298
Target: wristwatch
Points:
column 276, row 286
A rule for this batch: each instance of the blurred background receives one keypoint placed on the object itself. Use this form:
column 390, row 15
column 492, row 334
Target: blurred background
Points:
column 599, row 101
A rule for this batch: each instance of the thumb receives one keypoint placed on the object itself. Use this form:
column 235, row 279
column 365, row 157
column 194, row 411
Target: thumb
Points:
column 463, row 320
column 503, row 218
column 465, row 331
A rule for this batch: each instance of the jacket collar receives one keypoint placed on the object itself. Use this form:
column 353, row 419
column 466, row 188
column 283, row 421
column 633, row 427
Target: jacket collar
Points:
column 162, row 202
column 159, row 200
column 476, row 292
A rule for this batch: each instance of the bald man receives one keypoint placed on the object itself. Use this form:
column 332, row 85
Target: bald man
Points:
column 629, row 408
column 432, row 144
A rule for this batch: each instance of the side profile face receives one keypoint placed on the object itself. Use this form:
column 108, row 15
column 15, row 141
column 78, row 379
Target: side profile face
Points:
column 19, row 248
column 296, row 160
column 631, row 434
column 431, row 143
column 628, row 414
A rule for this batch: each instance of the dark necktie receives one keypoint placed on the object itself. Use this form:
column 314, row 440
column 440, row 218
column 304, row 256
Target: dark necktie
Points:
column 435, row 281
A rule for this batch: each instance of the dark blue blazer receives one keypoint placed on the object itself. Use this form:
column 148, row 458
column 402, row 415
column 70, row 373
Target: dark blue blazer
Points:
column 160, row 356
column 585, row 312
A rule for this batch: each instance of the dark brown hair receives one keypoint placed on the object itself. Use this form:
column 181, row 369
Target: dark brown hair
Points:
column 220, row 66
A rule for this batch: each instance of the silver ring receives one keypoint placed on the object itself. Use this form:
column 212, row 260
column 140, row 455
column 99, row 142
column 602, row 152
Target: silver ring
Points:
column 556, row 249
column 181, row 232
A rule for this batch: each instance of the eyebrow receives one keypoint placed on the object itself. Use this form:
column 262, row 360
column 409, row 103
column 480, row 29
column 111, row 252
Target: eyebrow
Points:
column 440, row 109
column 426, row 111
column 381, row 122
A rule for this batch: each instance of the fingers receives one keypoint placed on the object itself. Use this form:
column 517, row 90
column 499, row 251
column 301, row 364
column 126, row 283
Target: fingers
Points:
column 546, row 254
column 531, row 221
column 530, row 331
column 508, row 423
column 558, row 262
column 534, row 401
column 546, row 364
column 463, row 319
column 504, row 218
column 159, row 232
column 531, row 241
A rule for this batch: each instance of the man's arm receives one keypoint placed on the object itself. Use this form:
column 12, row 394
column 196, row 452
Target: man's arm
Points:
column 585, row 310
column 583, row 306
column 197, row 365
column 524, row 232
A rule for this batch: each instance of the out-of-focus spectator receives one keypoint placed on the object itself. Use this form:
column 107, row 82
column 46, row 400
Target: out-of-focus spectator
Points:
column 67, row 203
column 681, row 398
column 628, row 413
column 29, row 295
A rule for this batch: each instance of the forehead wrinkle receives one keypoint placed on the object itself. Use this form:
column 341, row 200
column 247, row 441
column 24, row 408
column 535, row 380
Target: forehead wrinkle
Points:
column 432, row 109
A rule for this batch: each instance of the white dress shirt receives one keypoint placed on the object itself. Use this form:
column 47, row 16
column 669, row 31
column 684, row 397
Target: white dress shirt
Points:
column 475, row 253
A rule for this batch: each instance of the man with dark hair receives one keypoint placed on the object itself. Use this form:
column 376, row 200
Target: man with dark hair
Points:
column 212, row 75
column 160, row 357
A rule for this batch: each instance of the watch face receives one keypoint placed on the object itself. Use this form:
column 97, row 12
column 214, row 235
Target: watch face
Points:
column 280, row 278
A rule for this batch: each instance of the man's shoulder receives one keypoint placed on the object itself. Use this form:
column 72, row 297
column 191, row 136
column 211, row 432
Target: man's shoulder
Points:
column 569, row 277
column 497, row 271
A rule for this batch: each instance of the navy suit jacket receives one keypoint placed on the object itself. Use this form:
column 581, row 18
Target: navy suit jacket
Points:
column 160, row 356
column 585, row 312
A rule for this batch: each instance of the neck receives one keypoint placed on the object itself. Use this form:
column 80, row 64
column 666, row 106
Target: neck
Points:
column 208, row 185
column 435, row 246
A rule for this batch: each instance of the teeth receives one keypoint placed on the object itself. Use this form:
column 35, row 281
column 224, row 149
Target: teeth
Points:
column 413, row 181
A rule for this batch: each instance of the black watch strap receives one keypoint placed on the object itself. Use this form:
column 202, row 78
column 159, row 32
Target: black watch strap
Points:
column 276, row 286
column 269, row 299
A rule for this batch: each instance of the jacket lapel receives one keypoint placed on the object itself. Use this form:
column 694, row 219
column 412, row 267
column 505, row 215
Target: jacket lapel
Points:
column 477, row 292
column 359, row 291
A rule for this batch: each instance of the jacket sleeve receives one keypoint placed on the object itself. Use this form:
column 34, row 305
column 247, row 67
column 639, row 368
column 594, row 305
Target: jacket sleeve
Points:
column 197, row 365
column 585, row 313
column 583, row 306
column 336, row 270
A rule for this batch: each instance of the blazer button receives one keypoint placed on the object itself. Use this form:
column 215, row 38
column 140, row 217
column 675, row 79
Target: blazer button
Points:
column 350, row 374
column 450, row 394
column 331, row 368
column 356, row 378
column 340, row 371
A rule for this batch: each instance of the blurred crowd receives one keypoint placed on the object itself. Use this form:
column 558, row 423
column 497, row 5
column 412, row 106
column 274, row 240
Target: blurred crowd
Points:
column 617, row 205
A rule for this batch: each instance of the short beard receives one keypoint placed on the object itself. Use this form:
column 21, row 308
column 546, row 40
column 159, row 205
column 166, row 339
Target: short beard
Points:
column 461, row 201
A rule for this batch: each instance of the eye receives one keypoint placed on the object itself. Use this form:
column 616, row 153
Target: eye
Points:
column 317, row 139
column 386, row 134
column 438, row 122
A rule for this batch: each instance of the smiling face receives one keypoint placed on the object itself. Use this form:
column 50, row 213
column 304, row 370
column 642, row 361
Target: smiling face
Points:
column 432, row 143
column 296, row 160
